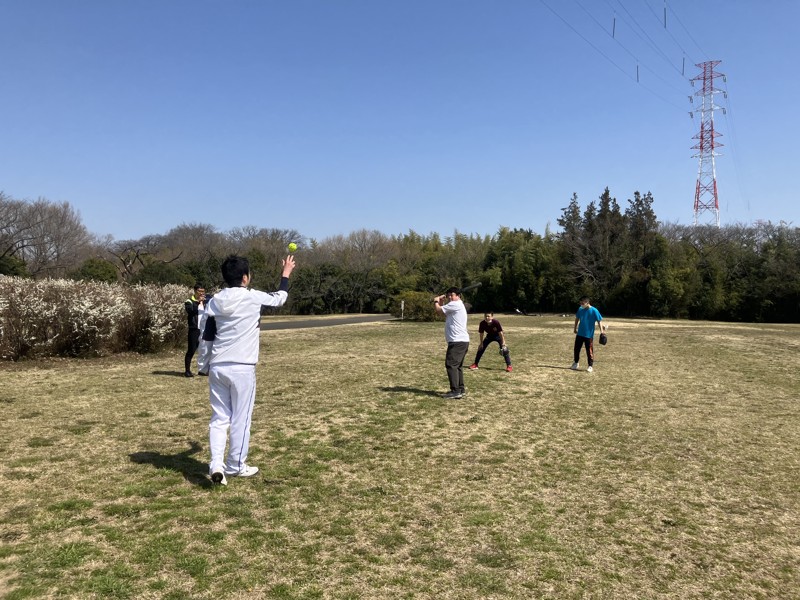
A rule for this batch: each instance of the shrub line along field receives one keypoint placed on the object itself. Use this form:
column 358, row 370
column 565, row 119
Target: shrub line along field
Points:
column 670, row 472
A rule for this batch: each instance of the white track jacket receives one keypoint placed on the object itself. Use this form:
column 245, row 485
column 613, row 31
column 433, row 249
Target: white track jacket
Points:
column 237, row 312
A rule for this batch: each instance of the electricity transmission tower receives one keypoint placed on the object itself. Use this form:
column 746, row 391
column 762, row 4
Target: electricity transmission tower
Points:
column 705, row 195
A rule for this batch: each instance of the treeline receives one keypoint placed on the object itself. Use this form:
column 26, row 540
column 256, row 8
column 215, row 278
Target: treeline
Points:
column 623, row 258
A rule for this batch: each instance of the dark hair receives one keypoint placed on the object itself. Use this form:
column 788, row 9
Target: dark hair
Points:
column 453, row 290
column 584, row 299
column 198, row 286
column 234, row 268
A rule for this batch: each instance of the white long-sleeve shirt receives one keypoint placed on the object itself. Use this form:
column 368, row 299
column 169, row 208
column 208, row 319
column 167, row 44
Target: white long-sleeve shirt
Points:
column 237, row 313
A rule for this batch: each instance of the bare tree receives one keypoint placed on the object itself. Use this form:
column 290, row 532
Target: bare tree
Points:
column 352, row 266
column 269, row 241
column 16, row 226
column 129, row 256
column 193, row 241
column 48, row 237
column 60, row 240
column 265, row 247
column 360, row 250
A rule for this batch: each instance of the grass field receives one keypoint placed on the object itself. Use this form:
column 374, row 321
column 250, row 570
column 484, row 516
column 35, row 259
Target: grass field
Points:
column 669, row 472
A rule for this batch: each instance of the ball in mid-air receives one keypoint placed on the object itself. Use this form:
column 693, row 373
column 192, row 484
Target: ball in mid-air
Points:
column 292, row 247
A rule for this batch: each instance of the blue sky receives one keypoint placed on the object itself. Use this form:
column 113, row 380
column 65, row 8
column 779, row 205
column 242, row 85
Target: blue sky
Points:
column 329, row 116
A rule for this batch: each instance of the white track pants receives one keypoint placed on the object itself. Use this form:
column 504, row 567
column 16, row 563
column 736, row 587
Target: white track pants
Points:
column 232, row 391
column 203, row 354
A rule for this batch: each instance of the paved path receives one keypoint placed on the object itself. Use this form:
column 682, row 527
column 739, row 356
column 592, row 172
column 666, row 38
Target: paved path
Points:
column 323, row 322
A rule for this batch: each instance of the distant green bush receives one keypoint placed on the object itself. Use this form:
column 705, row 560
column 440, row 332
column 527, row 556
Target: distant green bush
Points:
column 415, row 306
column 96, row 269
column 10, row 265
column 159, row 273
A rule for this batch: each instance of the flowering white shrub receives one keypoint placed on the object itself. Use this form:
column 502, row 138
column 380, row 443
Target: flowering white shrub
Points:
column 160, row 316
column 56, row 317
column 89, row 317
column 27, row 313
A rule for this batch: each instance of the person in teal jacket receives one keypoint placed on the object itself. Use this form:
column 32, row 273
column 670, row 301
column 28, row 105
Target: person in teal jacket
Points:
column 585, row 320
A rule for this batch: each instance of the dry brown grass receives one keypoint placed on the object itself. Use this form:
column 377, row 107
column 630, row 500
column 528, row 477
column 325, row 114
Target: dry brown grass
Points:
column 671, row 471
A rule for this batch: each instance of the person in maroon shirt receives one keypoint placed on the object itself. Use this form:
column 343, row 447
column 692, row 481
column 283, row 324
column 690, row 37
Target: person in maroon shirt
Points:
column 490, row 331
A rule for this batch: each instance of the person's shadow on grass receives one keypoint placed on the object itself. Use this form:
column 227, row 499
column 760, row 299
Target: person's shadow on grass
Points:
column 410, row 390
column 192, row 469
column 173, row 373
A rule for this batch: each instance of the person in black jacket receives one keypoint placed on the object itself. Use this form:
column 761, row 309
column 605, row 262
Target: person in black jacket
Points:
column 193, row 305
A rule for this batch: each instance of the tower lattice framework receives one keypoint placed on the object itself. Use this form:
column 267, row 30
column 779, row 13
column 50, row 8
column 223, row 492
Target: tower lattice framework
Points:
column 706, row 198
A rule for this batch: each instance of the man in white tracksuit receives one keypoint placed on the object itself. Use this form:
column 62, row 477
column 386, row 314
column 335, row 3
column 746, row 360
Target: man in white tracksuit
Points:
column 233, row 316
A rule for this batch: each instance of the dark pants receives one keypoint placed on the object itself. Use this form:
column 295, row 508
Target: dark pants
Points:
column 192, row 344
column 482, row 348
column 589, row 343
column 454, row 363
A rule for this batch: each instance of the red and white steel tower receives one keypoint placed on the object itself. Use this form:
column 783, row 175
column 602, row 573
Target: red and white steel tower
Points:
column 705, row 195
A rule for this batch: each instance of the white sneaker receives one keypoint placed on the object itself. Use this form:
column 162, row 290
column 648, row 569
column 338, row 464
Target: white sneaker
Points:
column 219, row 478
column 245, row 471
column 589, row 370
column 574, row 366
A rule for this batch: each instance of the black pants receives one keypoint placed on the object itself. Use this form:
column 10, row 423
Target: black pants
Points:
column 454, row 363
column 482, row 348
column 589, row 343
column 192, row 344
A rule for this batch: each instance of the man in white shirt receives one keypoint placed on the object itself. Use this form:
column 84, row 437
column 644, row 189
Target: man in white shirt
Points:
column 457, row 337
column 236, row 313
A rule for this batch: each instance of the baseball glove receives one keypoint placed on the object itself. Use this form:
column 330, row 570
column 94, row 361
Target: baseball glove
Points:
column 603, row 339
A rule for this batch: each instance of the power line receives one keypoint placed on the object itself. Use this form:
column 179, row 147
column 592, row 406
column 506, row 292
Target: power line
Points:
column 609, row 59
column 669, row 32
column 580, row 35
column 728, row 114
column 631, row 54
column 706, row 183
column 687, row 31
column 653, row 45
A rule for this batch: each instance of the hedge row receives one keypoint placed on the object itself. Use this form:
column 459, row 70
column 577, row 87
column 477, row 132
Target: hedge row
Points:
column 57, row 317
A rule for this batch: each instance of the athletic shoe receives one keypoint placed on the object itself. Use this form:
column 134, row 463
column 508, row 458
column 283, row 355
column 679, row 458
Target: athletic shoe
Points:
column 589, row 370
column 218, row 477
column 245, row 471
column 453, row 395
column 509, row 369
column 574, row 366
column 188, row 374
column 473, row 367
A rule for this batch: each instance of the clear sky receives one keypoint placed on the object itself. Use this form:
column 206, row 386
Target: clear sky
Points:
column 329, row 116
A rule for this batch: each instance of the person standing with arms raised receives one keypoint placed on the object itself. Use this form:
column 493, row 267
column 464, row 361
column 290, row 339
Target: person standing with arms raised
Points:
column 233, row 323
column 457, row 337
